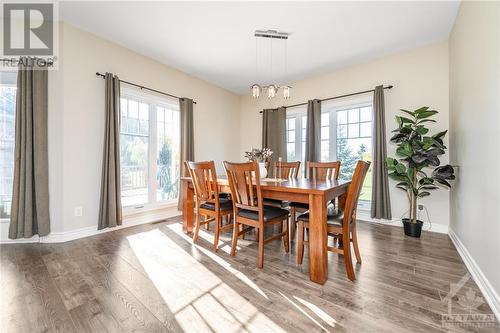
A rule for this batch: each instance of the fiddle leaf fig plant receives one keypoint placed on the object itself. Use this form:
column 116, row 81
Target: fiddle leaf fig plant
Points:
column 417, row 166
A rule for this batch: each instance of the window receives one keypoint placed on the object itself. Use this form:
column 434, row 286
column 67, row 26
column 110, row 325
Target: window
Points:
column 354, row 142
column 296, row 122
column 346, row 135
column 149, row 149
column 7, row 134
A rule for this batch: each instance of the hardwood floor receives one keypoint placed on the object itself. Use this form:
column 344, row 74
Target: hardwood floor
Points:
column 151, row 278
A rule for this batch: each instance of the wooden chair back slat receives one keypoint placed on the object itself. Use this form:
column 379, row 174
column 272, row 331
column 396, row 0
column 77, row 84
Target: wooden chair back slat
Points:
column 204, row 180
column 353, row 193
column 286, row 169
column 322, row 171
column 242, row 178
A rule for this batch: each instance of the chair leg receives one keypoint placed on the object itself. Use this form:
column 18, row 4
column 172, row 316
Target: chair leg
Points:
column 236, row 229
column 355, row 243
column 347, row 257
column 260, row 262
column 300, row 239
column 243, row 234
column 207, row 225
column 291, row 228
column 286, row 240
column 217, row 231
column 197, row 230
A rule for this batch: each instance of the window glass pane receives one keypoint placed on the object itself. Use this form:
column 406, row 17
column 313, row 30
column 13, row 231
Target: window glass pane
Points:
column 353, row 130
column 325, row 150
column 356, row 145
column 167, row 155
column 341, row 117
column 133, row 108
column 325, row 132
column 342, row 131
column 7, row 136
column 365, row 129
column 291, row 124
column 290, row 151
column 325, row 119
column 353, row 116
column 134, row 169
column 366, row 114
column 290, row 136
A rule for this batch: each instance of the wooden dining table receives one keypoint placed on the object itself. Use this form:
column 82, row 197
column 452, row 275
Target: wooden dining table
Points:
column 315, row 193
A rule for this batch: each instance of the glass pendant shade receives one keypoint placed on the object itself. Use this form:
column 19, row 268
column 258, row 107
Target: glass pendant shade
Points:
column 271, row 91
column 255, row 91
column 286, row 92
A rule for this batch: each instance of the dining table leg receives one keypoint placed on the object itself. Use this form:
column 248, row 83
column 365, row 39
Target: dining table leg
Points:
column 187, row 207
column 318, row 238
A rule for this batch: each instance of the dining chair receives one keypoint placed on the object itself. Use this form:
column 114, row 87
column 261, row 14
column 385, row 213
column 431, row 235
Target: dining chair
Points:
column 249, row 210
column 283, row 170
column 209, row 202
column 341, row 223
column 320, row 171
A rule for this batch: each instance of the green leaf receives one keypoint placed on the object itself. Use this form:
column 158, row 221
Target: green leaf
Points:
column 423, row 194
column 400, row 168
column 426, row 121
column 429, row 187
column 421, row 130
column 412, row 114
column 422, row 109
column 405, row 150
column 426, row 114
column 440, row 135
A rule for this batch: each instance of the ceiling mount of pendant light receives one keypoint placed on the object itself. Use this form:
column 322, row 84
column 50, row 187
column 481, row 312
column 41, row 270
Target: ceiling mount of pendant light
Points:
column 271, row 89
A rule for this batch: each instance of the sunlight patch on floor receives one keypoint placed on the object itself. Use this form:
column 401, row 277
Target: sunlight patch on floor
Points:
column 220, row 261
column 305, row 313
column 199, row 299
column 317, row 311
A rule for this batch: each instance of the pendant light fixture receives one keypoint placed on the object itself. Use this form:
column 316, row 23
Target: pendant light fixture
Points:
column 271, row 89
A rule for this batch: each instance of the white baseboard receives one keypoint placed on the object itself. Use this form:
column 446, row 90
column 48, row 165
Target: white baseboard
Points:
column 435, row 227
column 489, row 293
column 65, row 236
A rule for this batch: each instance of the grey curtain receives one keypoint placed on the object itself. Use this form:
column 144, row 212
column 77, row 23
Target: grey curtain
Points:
column 381, row 201
column 274, row 132
column 110, row 208
column 313, row 131
column 30, row 197
column 187, row 139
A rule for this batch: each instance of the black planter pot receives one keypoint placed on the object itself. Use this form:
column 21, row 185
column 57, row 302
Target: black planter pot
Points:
column 412, row 229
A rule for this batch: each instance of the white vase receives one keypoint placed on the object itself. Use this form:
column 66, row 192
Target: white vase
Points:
column 262, row 169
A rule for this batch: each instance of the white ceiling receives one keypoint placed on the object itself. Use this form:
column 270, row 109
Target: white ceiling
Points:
column 214, row 40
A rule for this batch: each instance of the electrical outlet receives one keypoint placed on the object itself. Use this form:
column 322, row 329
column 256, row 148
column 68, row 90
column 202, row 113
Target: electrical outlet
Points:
column 78, row 211
column 420, row 207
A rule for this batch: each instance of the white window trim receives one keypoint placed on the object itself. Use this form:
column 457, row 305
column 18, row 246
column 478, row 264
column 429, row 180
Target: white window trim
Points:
column 153, row 100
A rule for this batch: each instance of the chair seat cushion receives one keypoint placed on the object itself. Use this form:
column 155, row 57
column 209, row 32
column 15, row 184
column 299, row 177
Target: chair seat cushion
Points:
column 334, row 216
column 270, row 213
column 276, row 203
column 224, row 204
column 299, row 205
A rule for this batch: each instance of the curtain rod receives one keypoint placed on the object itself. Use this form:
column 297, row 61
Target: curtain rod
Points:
column 335, row 97
column 142, row 87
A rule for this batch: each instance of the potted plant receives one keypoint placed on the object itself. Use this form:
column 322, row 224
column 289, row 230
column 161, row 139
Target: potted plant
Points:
column 417, row 167
column 260, row 155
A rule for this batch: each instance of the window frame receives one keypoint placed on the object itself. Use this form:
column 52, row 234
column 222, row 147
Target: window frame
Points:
column 153, row 101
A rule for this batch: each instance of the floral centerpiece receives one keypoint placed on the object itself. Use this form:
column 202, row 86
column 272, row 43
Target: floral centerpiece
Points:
column 260, row 155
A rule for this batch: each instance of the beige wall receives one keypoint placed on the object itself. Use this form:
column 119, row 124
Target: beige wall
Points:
column 76, row 119
column 475, row 136
column 420, row 77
